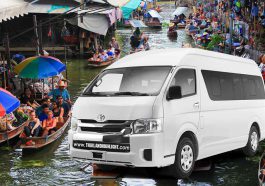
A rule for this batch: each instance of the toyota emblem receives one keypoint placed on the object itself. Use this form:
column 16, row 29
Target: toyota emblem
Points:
column 101, row 118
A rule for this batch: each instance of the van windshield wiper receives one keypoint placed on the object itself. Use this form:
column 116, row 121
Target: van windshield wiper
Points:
column 132, row 93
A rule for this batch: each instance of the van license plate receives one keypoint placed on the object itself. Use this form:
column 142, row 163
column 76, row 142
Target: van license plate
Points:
column 111, row 147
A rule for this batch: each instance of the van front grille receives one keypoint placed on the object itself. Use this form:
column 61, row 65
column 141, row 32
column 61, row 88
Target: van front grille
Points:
column 110, row 126
column 101, row 129
column 108, row 121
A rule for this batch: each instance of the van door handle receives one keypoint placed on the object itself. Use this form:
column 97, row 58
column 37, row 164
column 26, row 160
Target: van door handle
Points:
column 196, row 105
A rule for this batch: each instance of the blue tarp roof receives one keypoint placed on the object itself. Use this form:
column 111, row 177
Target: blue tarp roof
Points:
column 129, row 7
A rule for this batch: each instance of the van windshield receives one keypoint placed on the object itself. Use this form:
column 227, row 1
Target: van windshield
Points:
column 130, row 81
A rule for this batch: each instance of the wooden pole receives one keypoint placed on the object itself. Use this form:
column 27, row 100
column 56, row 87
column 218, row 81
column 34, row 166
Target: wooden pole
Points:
column 40, row 38
column 8, row 52
column 96, row 42
column 65, row 59
column 81, row 40
column 36, row 35
column 8, row 65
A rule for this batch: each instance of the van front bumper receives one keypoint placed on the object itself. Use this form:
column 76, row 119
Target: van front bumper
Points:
column 146, row 150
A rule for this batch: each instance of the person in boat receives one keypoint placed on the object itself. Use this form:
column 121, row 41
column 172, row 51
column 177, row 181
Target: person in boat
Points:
column 135, row 38
column 114, row 44
column 103, row 56
column 60, row 91
column 64, row 105
column 44, row 114
column 58, row 111
column 176, row 18
column 95, row 57
column 49, row 124
column 27, row 98
column 172, row 27
column 110, row 52
column 33, row 126
column 146, row 43
column 43, row 101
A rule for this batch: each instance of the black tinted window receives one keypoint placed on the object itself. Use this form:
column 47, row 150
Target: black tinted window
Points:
column 186, row 79
column 230, row 86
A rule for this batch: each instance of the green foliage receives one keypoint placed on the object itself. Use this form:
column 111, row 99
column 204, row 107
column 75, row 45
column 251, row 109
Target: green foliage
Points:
column 215, row 40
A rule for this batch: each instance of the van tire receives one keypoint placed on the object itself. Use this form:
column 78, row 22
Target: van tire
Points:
column 253, row 142
column 184, row 159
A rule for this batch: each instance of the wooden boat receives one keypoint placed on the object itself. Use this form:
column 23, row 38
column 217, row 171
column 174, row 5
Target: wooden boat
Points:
column 4, row 136
column 153, row 24
column 97, row 64
column 40, row 142
column 172, row 33
column 261, row 171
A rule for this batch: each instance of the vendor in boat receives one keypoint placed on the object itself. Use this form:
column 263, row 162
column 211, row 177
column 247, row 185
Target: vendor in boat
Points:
column 49, row 124
column 33, row 126
column 58, row 111
column 6, row 122
column 114, row 44
column 27, row 98
column 60, row 91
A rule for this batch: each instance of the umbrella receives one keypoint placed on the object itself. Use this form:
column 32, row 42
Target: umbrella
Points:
column 8, row 102
column 39, row 67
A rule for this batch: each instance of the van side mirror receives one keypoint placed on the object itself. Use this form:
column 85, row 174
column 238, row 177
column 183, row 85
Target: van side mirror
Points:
column 174, row 92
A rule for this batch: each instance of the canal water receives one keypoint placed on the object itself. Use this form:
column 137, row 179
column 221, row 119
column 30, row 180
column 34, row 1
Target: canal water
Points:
column 53, row 166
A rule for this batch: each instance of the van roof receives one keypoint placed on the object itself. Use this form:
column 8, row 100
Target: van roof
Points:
column 172, row 57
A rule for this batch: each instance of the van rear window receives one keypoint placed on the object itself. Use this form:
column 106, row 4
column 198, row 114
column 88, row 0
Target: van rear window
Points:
column 231, row 86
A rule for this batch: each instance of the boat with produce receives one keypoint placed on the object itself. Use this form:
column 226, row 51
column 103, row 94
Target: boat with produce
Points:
column 8, row 135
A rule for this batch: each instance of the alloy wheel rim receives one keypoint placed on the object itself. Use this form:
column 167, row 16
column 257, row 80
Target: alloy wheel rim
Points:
column 254, row 141
column 186, row 160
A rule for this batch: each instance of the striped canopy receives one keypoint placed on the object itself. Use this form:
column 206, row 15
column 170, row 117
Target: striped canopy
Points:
column 39, row 67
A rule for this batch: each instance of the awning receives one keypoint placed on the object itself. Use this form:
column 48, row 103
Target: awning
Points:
column 116, row 3
column 48, row 8
column 129, row 7
column 154, row 14
column 181, row 10
column 94, row 23
column 137, row 23
column 113, row 14
column 12, row 8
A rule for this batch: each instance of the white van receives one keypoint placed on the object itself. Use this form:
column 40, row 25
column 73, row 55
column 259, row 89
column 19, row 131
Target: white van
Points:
column 169, row 108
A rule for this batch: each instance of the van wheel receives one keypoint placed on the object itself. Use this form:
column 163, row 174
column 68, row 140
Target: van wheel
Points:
column 253, row 142
column 184, row 159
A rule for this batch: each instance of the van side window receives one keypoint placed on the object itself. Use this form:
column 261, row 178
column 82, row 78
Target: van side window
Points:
column 231, row 86
column 186, row 79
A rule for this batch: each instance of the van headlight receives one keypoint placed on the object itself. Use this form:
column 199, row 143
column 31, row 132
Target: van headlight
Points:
column 143, row 126
column 74, row 123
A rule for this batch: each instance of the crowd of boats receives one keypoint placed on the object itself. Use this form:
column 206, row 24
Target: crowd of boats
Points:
column 40, row 115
